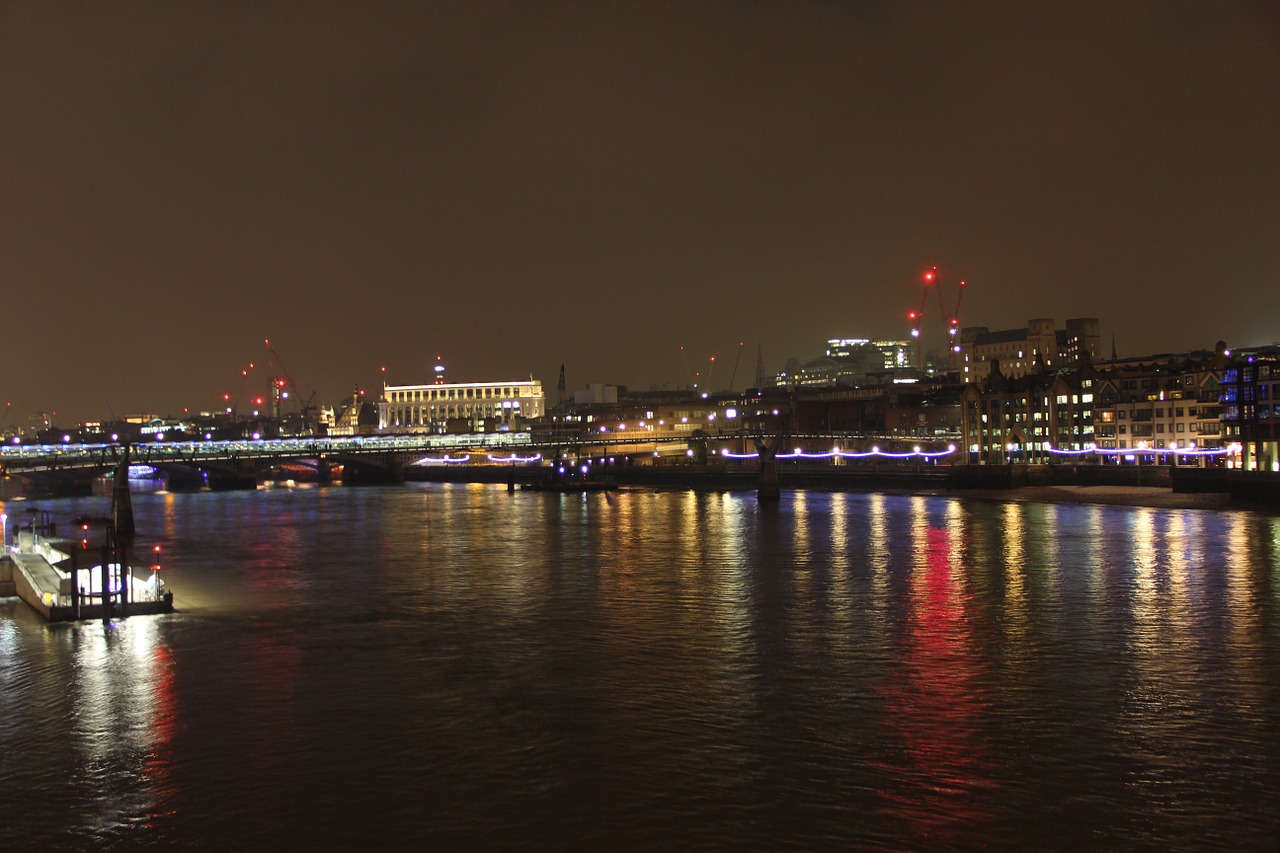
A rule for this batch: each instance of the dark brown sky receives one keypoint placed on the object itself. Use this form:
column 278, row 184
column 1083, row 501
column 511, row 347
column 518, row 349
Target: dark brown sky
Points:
column 517, row 185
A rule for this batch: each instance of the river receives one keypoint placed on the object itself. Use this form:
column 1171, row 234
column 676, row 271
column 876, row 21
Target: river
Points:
column 467, row 668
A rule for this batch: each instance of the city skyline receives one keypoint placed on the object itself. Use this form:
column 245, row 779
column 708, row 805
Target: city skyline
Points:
column 519, row 187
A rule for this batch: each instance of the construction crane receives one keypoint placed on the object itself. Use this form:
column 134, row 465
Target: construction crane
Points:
column 951, row 319
column 283, row 385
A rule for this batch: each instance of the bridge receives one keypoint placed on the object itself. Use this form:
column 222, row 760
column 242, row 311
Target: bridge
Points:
column 223, row 465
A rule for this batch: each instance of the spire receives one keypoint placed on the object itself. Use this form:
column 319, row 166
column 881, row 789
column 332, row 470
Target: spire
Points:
column 1113, row 348
column 759, row 367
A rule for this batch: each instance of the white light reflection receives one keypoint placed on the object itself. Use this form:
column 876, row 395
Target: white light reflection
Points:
column 126, row 716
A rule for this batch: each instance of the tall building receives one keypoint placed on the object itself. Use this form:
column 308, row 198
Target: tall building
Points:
column 849, row 361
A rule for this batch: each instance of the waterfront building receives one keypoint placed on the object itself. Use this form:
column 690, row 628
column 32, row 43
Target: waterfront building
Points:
column 1251, row 407
column 1021, row 418
column 1161, row 402
column 459, row 406
column 1018, row 349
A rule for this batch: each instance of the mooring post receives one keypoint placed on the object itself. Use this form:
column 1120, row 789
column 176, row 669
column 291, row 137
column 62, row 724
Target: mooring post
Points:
column 105, row 572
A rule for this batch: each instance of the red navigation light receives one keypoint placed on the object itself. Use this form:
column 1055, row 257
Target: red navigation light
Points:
column 911, row 315
column 930, row 275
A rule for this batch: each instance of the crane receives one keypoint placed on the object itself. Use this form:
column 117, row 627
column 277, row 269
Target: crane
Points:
column 951, row 318
column 283, row 385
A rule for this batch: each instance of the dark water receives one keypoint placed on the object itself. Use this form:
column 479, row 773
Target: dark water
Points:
column 463, row 668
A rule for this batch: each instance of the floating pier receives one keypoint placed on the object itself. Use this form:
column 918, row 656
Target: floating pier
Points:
column 55, row 578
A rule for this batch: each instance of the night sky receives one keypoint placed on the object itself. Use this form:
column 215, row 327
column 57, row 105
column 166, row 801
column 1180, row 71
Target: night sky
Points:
column 516, row 185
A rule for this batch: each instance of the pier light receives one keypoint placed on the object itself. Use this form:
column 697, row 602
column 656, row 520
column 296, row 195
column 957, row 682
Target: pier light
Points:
column 875, row 448
column 689, row 453
column 66, row 439
column 17, row 440
column 584, row 469
column 731, row 413
column 916, row 448
column 257, row 436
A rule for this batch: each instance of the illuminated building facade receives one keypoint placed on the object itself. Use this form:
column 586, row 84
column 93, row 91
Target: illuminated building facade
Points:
column 1022, row 418
column 850, row 361
column 467, row 406
column 1251, row 408
column 1018, row 349
column 1161, row 404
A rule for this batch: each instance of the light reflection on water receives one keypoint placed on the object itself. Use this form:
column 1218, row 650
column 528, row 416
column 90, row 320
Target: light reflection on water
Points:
column 467, row 667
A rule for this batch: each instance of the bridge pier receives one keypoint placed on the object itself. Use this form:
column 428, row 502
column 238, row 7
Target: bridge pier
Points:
column 243, row 477
column 386, row 472
column 121, row 500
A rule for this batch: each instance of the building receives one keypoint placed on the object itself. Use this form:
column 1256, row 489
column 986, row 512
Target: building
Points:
column 1251, row 407
column 1161, row 402
column 1024, row 418
column 850, row 362
column 893, row 354
column 1018, row 349
column 458, row 407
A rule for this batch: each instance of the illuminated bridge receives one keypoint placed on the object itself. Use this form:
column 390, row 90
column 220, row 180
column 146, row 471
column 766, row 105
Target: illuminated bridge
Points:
column 71, row 468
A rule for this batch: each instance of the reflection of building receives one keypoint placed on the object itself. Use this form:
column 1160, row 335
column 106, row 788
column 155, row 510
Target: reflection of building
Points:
column 1251, row 407
column 1018, row 349
column 466, row 406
